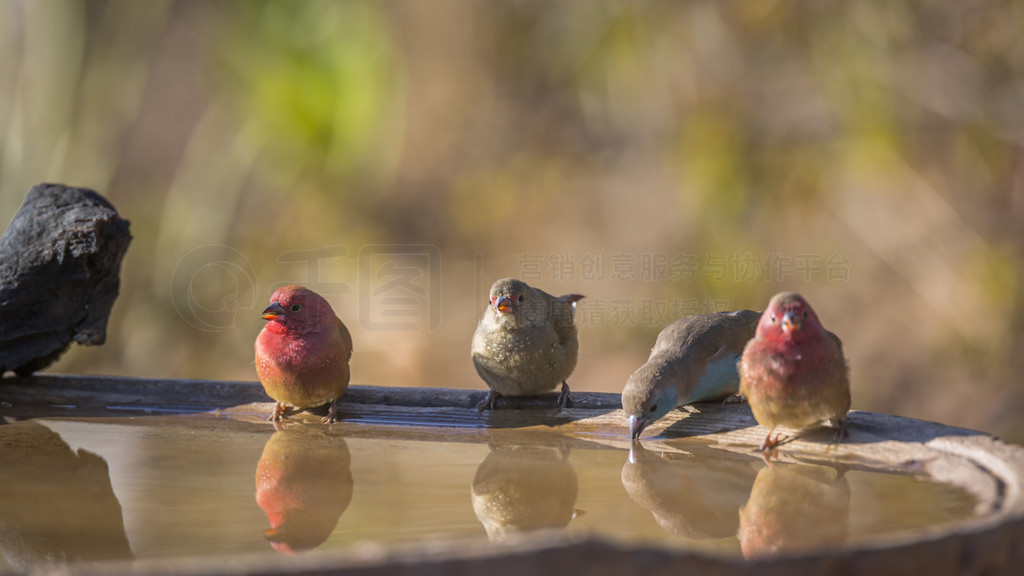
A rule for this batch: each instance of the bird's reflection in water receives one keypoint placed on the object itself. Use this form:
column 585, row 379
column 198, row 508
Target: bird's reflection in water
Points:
column 794, row 508
column 57, row 506
column 303, row 484
column 520, row 489
column 693, row 495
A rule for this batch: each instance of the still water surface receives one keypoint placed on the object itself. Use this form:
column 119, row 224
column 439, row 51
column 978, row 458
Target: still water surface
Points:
column 184, row 486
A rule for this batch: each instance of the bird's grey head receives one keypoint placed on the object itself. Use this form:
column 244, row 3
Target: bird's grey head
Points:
column 650, row 394
column 515, row 302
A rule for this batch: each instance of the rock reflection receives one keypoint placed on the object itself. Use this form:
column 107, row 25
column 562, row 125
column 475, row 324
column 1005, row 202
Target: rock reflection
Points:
column 794, row 508
column 43, row 479
column 524, row 488
column 690, row 495
column 303, row 484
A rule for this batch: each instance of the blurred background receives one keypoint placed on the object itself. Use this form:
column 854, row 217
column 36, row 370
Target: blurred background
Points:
column 662, row 158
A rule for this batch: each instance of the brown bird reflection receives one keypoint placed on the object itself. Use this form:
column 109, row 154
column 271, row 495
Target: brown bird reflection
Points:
column 794, row 508
column 690, row 495
column 524, row 488
column 303, row 484
column 57, row 506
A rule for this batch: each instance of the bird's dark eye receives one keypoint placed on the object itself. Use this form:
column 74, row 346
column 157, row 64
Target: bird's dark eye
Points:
column 296, row 307
column 774, row 318
column 805, row 313
column 653, row 407
column 520, row 298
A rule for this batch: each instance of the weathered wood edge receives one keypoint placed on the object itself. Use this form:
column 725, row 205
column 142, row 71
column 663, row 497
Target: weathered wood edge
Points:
column 219, row 393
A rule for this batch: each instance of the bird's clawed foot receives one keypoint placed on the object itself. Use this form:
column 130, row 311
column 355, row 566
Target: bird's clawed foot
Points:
column 841, row 433
column 488, row 402
column 734, row 399
column 278, row 414
column 564, row 401
column 769, row 447
column 332, row 413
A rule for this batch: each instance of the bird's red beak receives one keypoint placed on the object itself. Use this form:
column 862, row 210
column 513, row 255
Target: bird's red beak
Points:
column 790, row 322
column 504, row 304
column 273, row 312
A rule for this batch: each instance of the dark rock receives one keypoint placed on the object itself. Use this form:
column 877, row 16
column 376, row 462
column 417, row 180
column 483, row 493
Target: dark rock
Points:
column 60, row 264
